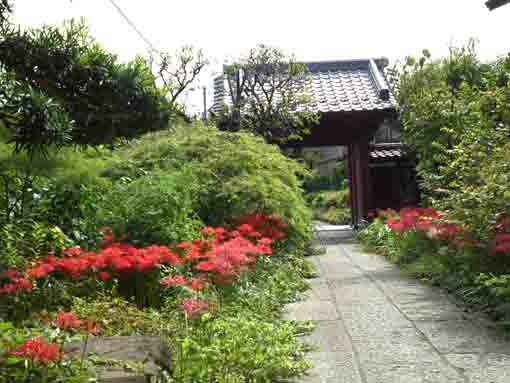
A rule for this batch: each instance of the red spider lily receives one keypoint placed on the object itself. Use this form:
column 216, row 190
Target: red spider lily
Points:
column 103, row 275
column 268, row 226
column 11, row 274
column 208, row 231
column 173, row 280
column 36, row 350
column 68, row 321
column 194, row 306
column 72, row 251
column 16, row 285
column 220, row 233
column 245, row 229
column 223, row 255
column 198, row 284
column 501, row 244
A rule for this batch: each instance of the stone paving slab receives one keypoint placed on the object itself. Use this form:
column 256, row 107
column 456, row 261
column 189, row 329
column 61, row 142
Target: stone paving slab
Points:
column 311, row 310
column 375, row 325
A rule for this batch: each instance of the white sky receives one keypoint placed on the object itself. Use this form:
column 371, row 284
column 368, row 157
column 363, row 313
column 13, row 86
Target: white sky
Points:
column 312, row 30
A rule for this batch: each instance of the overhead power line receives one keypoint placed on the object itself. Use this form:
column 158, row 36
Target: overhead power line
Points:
column 135, row 28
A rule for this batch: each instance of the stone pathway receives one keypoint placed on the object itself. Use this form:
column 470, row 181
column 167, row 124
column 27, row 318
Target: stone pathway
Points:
column 375, row 325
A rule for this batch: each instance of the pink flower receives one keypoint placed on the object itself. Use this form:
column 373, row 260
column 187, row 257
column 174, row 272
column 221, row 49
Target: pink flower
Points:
column 208, row 231
column 173, row 280
column 198, row 284
column 194, row 306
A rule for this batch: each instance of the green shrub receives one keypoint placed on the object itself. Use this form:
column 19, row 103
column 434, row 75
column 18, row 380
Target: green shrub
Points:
column 155, row 209
column 239, row 349
column 233, row 173
column 331, row 206
column 245, row 340
column 48, row 202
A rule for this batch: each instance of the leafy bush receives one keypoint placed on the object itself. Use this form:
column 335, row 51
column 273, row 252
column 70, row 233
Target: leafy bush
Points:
column 240, row 349
column 233, row 174
column 48, row 202
column 105, row 99
column 331, row 206
column 156, row 209
column 455, row 115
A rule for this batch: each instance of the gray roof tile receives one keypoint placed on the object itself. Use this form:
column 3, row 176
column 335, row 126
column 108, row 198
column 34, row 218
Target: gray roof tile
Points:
column 338, row 86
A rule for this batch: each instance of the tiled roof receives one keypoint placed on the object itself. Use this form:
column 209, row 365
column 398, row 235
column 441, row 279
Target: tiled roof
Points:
column 338, row 86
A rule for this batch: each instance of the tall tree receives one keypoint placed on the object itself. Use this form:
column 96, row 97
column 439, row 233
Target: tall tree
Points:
column 105, row 99
column 267, row 95
column 179, row 71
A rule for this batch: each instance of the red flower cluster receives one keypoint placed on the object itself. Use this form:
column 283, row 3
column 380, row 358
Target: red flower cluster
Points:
column 70, row 322
column 501, row 242
column 425, row 220
column 194, row 306
column 117, row 258
column 178, row 280
column 268, row 226
column 36, row 350
column 16, row 283
column 222, row 254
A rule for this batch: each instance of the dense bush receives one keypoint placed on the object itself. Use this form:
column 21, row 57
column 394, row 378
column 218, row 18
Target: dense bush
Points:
column 331, row 206
column 103, row 98
column 155, row 209
column 233, row 173
column 48, row 202
column 455, row 116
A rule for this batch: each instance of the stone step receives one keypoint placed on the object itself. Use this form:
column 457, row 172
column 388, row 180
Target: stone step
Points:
column 151, row 354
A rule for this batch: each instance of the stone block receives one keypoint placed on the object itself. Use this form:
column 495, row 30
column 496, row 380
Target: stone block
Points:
column 151, row 353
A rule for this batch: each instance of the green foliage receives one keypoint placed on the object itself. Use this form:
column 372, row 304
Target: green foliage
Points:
column 104, row 98
column 317, row 182
column 240, row 349
column 232, row 173
column 155, row 209
column 48, row 202
column 34, row 121
column 331, row 206
column 245, row 340
column 266, row 89
column 117, row 317
column 455, row 115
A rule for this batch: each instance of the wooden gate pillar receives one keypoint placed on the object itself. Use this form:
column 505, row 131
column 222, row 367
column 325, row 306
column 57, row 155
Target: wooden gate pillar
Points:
column 358, row 163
